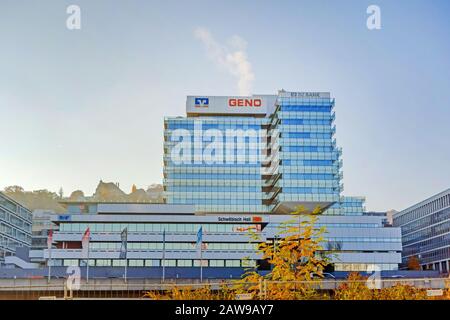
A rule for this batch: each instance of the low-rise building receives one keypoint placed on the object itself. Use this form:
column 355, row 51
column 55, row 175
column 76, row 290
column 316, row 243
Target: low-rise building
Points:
column 161, row 232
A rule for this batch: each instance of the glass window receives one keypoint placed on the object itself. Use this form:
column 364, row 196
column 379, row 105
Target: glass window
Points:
column 233, row 263
column 103, row 262
column 136, row 263
column 216, row 263
column 70, row 262
column 184, row 263
column 170, row 263
column 118, row 263
column 152, row 263
column 197, row 263
column 57, row 262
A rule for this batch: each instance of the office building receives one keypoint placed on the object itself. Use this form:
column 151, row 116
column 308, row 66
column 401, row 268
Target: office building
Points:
column 426, row 232
column 15, row 226
column 353, row 206
column 260, row 154
column 233, row 164
column 356, row 242
column 42, row 224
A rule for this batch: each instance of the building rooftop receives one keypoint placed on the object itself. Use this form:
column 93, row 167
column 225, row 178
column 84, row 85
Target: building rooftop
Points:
column 421, row 203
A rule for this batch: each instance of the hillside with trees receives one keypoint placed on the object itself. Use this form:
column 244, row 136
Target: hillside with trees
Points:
column 105, row 192
column 37, row 199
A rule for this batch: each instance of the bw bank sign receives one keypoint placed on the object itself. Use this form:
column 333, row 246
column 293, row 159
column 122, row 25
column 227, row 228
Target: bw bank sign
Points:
column 220, row 105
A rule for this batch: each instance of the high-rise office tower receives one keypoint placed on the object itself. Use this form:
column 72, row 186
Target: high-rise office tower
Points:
column 260, row 154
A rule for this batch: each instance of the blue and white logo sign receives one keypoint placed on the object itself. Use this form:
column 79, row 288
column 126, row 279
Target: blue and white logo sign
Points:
column 251, row 105
column 201, row 102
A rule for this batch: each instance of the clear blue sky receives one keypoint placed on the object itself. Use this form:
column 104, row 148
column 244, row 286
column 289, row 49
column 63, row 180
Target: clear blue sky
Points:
column 80, row 106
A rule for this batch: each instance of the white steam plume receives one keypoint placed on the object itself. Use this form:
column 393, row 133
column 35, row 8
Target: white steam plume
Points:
column 231, row 57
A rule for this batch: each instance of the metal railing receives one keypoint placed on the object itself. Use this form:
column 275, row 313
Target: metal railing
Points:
column 32, row 289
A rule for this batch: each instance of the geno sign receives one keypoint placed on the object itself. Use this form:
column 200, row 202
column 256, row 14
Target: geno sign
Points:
column 241, row 102
column 236, row 105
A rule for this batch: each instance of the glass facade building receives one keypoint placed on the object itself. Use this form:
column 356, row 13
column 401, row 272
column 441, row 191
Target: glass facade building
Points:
column 259, row 160
column 40, row 228
column 426, row 232
column 305, row 158
column 354, row 242
column 231, row 165
column 15, row 226
column 353, row 206
column 222, row 186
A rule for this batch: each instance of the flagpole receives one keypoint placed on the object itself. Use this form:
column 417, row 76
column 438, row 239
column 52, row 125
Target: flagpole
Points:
column 200, row 242
column 87, row 265
column 201, row 261
column 49, row 262
column 164, row 257
column 49, row 247
column 124, row 251
column 85, row 244
column 126, row 268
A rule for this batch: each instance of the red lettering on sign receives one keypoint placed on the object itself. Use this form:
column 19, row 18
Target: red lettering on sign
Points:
column 244, row 102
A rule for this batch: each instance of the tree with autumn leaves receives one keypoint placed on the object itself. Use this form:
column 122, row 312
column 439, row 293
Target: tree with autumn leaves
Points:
column 356, row 288
column 296, row 257
column 297, row 261
column 414, row 263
